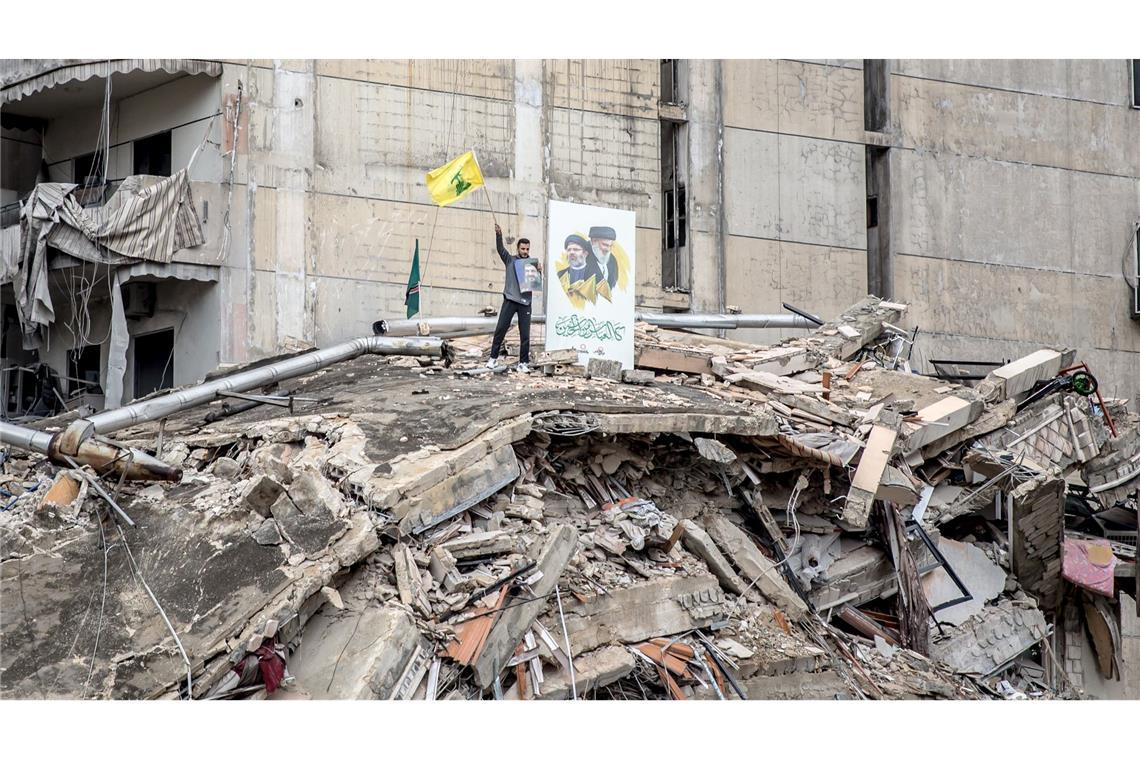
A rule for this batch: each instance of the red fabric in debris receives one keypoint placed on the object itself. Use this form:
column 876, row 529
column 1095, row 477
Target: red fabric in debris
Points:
column 1090, row 565
column 272, row 666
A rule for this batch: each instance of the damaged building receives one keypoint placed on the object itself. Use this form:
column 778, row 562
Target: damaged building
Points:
column 229, row 473
column 388, row 519
column 754, row 182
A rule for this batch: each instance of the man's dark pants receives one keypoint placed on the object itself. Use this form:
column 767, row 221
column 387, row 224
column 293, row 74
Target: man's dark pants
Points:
column 510, row 309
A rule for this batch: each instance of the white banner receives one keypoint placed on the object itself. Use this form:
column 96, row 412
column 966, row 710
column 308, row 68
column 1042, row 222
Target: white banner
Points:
column 590, row 281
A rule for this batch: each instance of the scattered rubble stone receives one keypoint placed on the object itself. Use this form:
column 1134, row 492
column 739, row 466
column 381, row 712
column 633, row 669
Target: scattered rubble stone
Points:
column 702, row 530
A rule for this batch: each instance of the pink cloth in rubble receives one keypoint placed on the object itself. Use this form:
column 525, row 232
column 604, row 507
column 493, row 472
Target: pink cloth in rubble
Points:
column 1090, row 565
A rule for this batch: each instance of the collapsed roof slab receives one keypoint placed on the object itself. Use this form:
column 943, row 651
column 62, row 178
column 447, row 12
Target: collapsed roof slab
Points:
column 402, row 410
column 1019, row 376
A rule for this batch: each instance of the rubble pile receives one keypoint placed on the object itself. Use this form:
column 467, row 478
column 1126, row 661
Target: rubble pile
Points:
column 727, row 521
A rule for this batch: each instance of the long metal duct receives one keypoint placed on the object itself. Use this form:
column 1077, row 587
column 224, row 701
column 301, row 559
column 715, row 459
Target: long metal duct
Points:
column 477, row 325
column 76, row 441
column 727, row 321
column 171, row 403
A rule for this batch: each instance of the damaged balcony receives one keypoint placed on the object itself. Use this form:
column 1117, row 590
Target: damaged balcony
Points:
column 110, row 256
column 727, row 521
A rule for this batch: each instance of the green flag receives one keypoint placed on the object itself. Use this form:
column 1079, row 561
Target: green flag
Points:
column 412, row 294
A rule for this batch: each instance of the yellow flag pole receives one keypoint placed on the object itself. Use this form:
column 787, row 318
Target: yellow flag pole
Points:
column 485, row 190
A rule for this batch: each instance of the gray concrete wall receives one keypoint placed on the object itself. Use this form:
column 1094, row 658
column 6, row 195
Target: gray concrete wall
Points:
column 332, row 183
column 1016, row 190
column 794, row 187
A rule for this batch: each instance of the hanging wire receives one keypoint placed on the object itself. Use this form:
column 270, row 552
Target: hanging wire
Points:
column 236, row 131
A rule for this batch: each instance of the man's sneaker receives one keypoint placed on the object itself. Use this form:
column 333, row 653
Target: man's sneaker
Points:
column 491, row 363
column 523, row 368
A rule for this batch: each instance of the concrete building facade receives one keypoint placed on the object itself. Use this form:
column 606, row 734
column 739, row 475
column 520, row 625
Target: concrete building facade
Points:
column 999, row 197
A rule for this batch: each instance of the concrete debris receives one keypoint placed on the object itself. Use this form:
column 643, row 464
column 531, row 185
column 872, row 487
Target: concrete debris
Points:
column 982, row 577
column 697, row 528
column 660, row 607
column 356, row 654
column 991, row 639
column 606, row 369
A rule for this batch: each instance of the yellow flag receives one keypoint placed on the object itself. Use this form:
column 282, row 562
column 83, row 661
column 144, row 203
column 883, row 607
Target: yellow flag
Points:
column 455, row 179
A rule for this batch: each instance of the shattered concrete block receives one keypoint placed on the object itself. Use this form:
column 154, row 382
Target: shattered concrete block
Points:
column 897, row 487
column 609, row 369
column 441, row 565
column 991, row 638
column 858, row 576
column 267, row 534
column 356, row 654
column 462, row 490
column 592, row 670
column 783, row 361
column 225, row 468
column 701, row 544
column 754, row 566
column 260, row 494
column 310, row 492
column 1021, row 375
column 660, row 607
column 359, row 541
column 274, row 460
column 558, row 356
column 312, row 531
column 939, row 420
column 823, row 685
column 766, row 382
column 638, row 376
column 993, row 418
column 408, row 581
column 480, row 544
column 714, row 450
column 513, row 623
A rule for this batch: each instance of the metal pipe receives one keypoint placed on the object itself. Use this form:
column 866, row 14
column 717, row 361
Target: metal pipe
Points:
column 171, row 403
column 76, row 441
column 484, row 325
column 727, row 321
column 24, row 438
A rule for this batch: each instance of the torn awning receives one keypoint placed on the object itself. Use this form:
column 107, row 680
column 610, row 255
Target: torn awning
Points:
column 26, row 77
column 148, row 218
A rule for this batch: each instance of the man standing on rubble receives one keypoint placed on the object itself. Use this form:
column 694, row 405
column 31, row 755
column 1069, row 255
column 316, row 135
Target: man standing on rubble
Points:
column 515, row 301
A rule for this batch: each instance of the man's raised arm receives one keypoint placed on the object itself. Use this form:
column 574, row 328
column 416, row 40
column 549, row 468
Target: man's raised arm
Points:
column 504, row 254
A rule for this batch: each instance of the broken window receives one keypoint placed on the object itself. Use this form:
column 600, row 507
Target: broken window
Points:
column 87, row 171
column 1136, row 82
column 1136, row 272
column 152, row 155
column 154, row 362
column 83, row 371
column 670, row 91
column 674, row 207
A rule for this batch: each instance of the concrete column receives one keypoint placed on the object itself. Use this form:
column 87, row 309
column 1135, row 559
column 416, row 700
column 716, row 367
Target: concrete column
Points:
column 528, row 181
column 706, row 185
column 294, row 135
